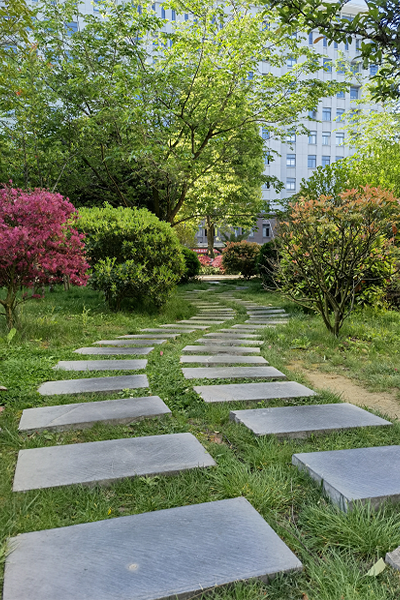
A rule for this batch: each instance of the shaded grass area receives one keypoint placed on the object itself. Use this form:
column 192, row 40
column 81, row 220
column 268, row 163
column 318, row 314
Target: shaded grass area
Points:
column 336, row 549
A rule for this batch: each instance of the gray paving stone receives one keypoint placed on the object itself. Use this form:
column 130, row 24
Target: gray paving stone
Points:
column 207, row 319
column 267, row 322
column 366, row 475
column 86, row 414
column 302, row 421
column 107, row 461
column 247, row 327
column 223, row 359
column 96, row 384
column 233, row 373
column 393, row 558
column 200, row 322
column 227, row 334
column 215, row 348
column 253, row 391
column 114, row 351
column 165, row 332
column 265, row 309
column 149, row 336
column 100, row 365
column 129, row 342
column 230, row 341
column 265, row 315
column 181, row 325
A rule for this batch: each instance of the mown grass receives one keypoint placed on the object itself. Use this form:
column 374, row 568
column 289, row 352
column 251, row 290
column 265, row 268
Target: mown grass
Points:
column 336, row 549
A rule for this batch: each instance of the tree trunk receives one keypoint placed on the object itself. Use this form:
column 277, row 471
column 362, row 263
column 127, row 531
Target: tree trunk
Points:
column 210, row 237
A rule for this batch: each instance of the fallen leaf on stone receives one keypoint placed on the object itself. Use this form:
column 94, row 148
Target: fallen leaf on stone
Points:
column 377, row 568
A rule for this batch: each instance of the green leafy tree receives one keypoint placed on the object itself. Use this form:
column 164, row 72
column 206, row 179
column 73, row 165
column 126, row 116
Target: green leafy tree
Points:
column 335, row 248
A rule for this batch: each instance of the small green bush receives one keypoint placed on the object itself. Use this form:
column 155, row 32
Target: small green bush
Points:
column 241, row 257
column 133, row 254
column 192, row 264
column 267, row 263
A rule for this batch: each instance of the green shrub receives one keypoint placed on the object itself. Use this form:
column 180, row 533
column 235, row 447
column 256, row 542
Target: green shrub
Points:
column 241, row 257
column 192, row 264
column 133, row 254
column 267, row 263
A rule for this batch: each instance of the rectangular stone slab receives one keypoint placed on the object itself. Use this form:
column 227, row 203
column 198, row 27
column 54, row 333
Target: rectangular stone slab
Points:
column 186, row 327
column 230, row 341
column 111, row 460
column 86, row 414
column 100, row 365
column 95, row 384
column 302, row 421
column 233, row 373
column 149, row 336
column 170, row 330
column 214, row 348
column 175, row 553
column 114, row 351
column 228, row 334
column 205, row 324
column 366, row 475
column 129, row 342
column 247, row 327
column 267, row 322
column 265, row 309
column 223, row 359
column 233, row 392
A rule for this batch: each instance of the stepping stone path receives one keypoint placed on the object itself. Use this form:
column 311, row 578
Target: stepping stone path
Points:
column 129, row 342
column 98, row 384
column 366, row 475
column 201, row 547
column 223, row 341
column 253, row 391
column 149, row 336
column 303, row 421
column 114, row 351
column 86, row 414
column 221, row 349
column 100, row 365
column 233, row 373
column 111, row 460
column 223, row 359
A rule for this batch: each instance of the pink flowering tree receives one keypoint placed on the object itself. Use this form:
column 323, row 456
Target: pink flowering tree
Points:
column 38, row 245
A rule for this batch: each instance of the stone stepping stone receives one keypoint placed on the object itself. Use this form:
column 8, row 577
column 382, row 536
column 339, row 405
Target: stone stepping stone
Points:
column 302, row 421
column 126, row 557
column 393, row 558
column 262, row 315
column 267, row 322
column 178, row 326
column 233, row 373
column 227, row 334
column 129, row 342
column 214, row 348
column 86, row 414
column 207, row 319
column 97, row 384
column 202, row 322
column 223, row 359
column 253, row 391
column 366, row 475
column 230, row 341
column 114, row 351
column 101, row 365
column 166, row 332
column 108, row 461
column 247, row 327
column 265, row 309
column 149, row 336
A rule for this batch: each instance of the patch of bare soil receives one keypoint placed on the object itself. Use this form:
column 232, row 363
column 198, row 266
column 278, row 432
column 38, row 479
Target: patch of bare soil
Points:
column 349, row 391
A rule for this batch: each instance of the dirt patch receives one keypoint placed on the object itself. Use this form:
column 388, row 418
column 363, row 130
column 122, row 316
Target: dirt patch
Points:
column 349, row 391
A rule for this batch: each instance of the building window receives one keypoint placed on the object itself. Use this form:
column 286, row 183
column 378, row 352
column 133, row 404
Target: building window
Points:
column 354, row 92
column 291, row 184
column 335, row 45
column 267, row 230
column 312, row 137
column 373, row 69
column 265, row 133
column 173, row 15
column 341, row 67
column 291, row 61
column 312, row 161
column 338, row 158
column 326, row 114
column 186, row 17
column 340, row 95
column 266, row 185
column 326, row 161
column 325, row 42
column 95, row 6
column 291, row 138
column 290, row 160
column 339, row 138
column 311, row 37
column 355, row 67
column 328, row 65
column 312, row 114
column 339, row 114
column 71, row 28
column 250, row 75
column 251, row 234
column 358, row 43
column 162, row 12
column 326, row 138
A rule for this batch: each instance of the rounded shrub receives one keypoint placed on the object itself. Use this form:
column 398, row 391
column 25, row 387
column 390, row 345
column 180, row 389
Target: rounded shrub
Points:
column 192, row 264
column 267, row 263
column 241, row 257
column 133, row 254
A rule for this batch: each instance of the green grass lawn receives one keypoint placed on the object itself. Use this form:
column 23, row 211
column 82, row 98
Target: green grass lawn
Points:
column 336, row 549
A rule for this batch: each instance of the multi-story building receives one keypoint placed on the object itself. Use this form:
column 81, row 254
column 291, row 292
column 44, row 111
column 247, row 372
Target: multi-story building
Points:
column 296, row 157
